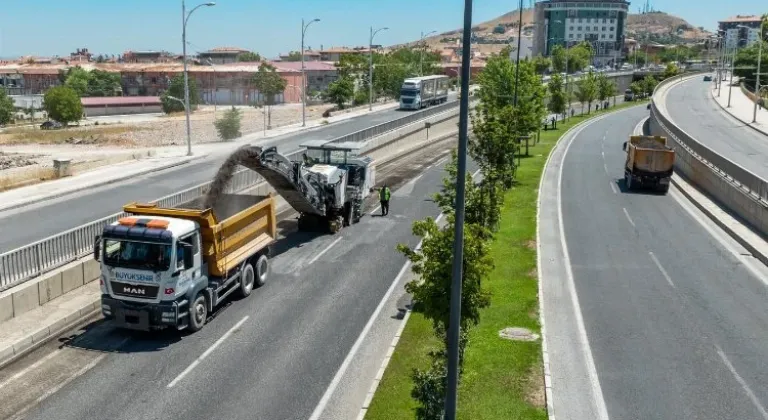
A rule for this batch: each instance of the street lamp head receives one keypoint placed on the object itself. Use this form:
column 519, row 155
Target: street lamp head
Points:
column 210, row 3
column 315, row 20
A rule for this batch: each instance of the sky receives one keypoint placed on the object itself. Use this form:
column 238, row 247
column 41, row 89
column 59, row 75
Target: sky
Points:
column 270, row 27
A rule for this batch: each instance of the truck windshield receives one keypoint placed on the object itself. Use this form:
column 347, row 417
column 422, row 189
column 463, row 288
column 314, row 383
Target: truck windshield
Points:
column 140, row 255
column 409, row 91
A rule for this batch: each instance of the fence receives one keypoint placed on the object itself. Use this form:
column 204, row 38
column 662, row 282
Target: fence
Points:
column 27, row 262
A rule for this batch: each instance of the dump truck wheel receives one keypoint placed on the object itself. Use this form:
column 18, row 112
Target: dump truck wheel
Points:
column 628, row 182
column 198, row 313
column 247, row 280
column 262, row 270
column 664, row 188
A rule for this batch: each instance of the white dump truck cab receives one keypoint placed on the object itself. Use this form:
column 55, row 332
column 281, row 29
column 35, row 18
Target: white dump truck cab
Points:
column 151, row 268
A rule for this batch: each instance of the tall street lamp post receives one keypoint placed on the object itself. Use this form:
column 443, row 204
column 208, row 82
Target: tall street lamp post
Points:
column 185, row 18
column 304, row 73
column 370, row 66
column 421, row 54
column 215, row 89
column 454, row 322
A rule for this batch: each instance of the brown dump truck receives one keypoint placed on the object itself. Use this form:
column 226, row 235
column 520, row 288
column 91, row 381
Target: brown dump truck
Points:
column 170, row 267
column 650, row 163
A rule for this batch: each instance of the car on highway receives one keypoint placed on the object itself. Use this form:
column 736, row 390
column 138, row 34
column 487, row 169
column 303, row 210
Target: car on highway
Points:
column 707, row 78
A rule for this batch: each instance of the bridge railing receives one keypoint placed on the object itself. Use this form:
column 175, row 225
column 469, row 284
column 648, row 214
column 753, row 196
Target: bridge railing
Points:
column 741, row 191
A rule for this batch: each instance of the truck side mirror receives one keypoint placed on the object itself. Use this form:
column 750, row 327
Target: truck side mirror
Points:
column 189, row 261
column 97, row 247
column 624, row 147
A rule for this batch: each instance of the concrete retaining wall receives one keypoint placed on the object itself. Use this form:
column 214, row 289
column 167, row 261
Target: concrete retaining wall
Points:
column 29, row 295
column 100, row 111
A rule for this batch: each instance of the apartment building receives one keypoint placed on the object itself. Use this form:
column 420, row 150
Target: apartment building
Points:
column 599, row 22
column 740, row 30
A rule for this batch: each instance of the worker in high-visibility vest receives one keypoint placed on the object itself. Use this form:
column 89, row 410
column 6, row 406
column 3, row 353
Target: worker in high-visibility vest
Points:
column 384, row 195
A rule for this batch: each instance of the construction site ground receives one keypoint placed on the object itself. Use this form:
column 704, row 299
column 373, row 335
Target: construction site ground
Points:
column 30, row 380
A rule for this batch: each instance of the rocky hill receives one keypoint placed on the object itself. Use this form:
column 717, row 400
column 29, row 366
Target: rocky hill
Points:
column 663, row 28
column 493, row 35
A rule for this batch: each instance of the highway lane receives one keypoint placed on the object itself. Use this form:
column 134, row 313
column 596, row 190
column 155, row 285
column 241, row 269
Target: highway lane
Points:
column 690, row 105
column 676, row 318
column 57, row 215
column 274, row 364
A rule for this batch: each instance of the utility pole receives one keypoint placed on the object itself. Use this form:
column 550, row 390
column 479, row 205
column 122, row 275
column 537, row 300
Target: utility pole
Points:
column 454, row 323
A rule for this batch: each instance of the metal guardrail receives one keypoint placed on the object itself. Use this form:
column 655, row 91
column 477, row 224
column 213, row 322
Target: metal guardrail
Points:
column 35, row 259
column 737, row 174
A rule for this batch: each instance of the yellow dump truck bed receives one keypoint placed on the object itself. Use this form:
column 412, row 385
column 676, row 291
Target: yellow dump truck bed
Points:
column 233, row 230
column 649, row 154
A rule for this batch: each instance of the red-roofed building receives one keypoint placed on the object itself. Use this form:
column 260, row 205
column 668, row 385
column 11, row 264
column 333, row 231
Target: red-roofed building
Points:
column 320, row 74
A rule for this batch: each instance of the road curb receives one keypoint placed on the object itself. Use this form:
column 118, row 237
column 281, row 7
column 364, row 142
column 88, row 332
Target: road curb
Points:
column 101, row 184
column 34, row 341
column 762, row 257
column 750, row 125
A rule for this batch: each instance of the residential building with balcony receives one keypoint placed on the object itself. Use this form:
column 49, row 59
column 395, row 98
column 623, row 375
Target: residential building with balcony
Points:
column 740, row 30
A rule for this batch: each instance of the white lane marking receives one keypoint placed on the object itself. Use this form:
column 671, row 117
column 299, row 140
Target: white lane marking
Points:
column 594, row 380
column 416, row 179
column 356, row 347
column 207, row 352
column 326, row 249
column 438, row 218
column 376, row 210
column 605, row 166
column 29, row 368
column 661, row 268
column 60, row 385
column 441, row 161
column 626, row 213
column 743, row 383
column 613, row 187
column 716, row 232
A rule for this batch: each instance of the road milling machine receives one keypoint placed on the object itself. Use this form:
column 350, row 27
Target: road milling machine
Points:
column 327, row 186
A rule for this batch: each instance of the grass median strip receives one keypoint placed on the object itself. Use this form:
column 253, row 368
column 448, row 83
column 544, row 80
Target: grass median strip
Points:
column 502, row 379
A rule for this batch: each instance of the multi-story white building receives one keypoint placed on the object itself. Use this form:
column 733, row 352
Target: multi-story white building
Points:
column 740, row 31
column 569, row 22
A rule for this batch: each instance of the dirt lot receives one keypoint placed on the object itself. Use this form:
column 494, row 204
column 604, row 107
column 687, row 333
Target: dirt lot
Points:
column 166, row 130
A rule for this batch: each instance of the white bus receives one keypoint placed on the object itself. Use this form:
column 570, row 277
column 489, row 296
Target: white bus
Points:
column 421, row 92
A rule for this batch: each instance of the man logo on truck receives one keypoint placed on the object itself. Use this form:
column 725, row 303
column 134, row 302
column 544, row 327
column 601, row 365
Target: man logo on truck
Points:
column 134, row 290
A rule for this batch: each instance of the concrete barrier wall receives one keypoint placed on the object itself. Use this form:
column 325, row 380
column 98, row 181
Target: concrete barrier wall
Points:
column 722, row 187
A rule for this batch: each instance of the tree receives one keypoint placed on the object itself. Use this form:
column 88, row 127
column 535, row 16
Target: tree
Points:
column 558, row 57
column 605, row 87
column 341, row 91
column 671, row 71
column 637, row 88
column 176, row 90
column 649, row 84
column 636, row 57
column 587, row 91
column 93, row 83
column 229, row 126
column 249, row 57
column 63, row 104
column 746, row 63
column 541, row 64
column 77, row 79
column 558, row 100
column 269, row 83
column 7, row 107
column 292, row 56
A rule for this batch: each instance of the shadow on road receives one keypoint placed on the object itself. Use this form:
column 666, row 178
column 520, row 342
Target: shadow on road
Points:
column 621, row 183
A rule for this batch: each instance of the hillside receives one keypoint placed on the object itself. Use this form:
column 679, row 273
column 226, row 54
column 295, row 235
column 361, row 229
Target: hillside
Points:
column 654, row 26
column 664, row 28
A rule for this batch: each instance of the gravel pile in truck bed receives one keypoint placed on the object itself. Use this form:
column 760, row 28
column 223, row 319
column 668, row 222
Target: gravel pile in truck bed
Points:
column 226, row 205
column 647, row 143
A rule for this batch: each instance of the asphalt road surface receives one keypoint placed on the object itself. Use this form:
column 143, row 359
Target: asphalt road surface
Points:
column 674, row 312
column 58, row 215
column 691, row 107
column 277, row 350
